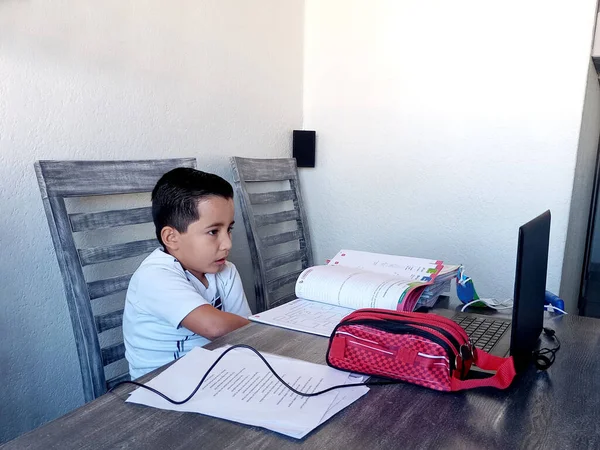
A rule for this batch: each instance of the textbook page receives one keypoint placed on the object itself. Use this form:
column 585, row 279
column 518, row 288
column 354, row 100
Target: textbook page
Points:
column 407, row 268
column 304, row 315
column 351, row 288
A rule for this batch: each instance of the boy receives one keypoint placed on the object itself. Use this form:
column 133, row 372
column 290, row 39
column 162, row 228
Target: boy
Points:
column 186, row 293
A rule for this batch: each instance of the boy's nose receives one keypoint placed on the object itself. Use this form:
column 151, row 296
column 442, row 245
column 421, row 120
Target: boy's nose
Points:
column 226, row 242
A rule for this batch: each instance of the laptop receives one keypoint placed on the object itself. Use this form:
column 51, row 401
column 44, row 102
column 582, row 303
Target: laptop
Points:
column 519, row 336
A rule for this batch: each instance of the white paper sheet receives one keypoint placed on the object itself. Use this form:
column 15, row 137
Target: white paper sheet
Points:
column 345, row 396
column 241, row 388
column 304, row 315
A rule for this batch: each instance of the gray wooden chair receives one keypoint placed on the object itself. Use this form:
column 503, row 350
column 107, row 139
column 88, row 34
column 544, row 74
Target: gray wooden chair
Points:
column 275, row 222
column 62, row 180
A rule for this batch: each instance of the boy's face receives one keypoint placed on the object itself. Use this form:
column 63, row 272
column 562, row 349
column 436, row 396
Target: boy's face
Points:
column 204, row 247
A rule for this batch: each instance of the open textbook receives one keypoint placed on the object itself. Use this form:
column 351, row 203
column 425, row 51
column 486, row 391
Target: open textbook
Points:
column 353, row 280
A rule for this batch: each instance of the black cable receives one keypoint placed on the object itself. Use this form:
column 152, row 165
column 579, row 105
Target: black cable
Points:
column 304, row 394
column 540, row 358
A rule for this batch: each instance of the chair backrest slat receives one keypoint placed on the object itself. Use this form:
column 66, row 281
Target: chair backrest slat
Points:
column 265, row 188
column 271, row 197
column 98, row 255
column 280, row 169
column 279, row 282
column 113, row 353
column 87, row 178
column 110, row 219
column 282, row 238
column 108, row 321
column 279, row 217
column 61, row 180
column 109, row 286
column 283, row 259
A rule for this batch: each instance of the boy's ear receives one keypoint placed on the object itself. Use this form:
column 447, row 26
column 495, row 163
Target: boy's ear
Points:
column 170, row 237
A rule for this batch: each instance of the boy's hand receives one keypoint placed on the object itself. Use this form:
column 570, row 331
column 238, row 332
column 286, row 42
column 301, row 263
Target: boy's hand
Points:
column 211, row 323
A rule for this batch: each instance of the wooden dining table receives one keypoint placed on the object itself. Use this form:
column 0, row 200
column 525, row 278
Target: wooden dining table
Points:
column 554, row 409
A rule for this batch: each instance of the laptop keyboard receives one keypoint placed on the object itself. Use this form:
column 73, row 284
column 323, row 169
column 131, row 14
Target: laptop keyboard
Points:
column 484, row 333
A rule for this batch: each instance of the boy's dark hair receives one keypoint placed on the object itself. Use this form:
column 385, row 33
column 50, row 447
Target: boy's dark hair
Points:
column 176, row 195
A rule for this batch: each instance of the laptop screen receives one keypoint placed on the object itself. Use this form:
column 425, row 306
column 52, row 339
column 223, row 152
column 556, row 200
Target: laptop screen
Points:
column 530, row 288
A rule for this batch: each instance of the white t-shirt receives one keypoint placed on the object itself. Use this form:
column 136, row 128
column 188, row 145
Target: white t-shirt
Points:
column 160, row 294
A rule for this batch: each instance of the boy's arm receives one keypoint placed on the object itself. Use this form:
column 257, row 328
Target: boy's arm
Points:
column 209, row 322
column 164, row 291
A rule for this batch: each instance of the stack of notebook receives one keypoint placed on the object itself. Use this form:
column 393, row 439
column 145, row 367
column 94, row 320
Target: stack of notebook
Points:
column 441, row 285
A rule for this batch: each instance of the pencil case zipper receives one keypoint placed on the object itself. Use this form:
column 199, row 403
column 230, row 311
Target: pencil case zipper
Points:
column 442, row 323
column 432, row 318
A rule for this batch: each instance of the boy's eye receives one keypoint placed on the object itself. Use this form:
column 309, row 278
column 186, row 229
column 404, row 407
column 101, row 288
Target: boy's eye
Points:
column 230, row 229
column 213, row 232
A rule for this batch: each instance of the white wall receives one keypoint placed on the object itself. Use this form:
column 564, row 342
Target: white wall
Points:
column 443, row 126
column 583, row 185
column 115, row 80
